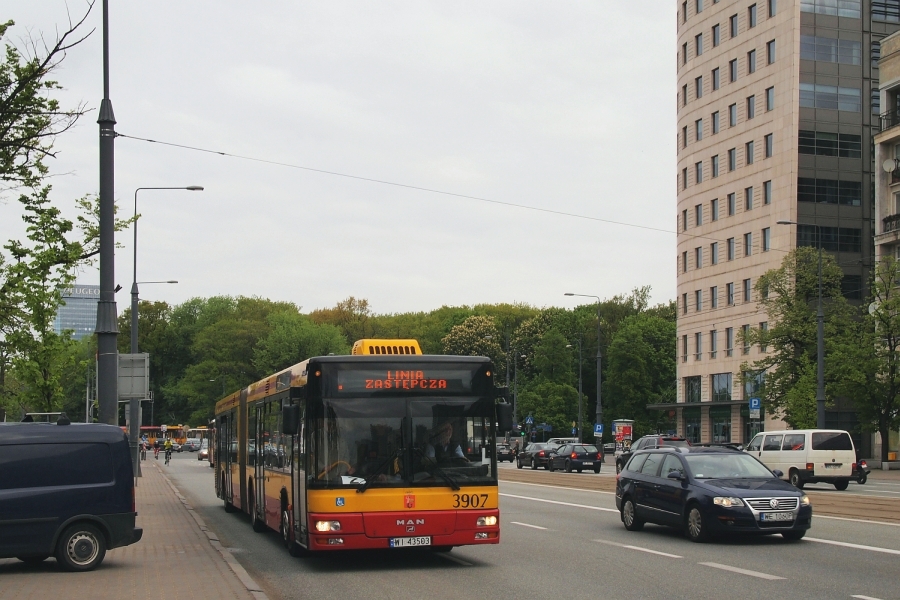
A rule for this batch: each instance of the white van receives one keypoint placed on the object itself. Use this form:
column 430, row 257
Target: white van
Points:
column 807, row 455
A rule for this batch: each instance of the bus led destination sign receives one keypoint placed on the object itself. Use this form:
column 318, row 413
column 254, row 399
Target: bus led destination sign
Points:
column 403, row 380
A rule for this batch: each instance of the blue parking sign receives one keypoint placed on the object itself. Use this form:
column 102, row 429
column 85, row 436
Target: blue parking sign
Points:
column 598, row 429
column 754, row 404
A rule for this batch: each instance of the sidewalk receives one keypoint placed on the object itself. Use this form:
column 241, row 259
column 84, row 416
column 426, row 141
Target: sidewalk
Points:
column 176, row 553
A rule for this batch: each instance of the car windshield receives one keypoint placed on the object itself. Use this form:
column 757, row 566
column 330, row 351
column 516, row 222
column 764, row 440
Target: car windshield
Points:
column 676, row 443
column 587, row 449
column 725, row 466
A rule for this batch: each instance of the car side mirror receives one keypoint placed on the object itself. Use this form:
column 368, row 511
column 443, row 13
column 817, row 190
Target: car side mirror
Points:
column 778, row 473
column 678, row 475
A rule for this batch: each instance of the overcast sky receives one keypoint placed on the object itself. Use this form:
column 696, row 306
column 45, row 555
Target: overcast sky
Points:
column 561, row 106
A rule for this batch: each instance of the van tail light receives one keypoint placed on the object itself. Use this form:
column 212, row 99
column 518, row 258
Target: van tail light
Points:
column 853, row 468
column 810, row 466
column 599, row 456
column 574, row 455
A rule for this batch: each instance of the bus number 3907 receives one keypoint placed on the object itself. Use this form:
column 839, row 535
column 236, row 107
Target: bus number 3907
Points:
column 469, row 500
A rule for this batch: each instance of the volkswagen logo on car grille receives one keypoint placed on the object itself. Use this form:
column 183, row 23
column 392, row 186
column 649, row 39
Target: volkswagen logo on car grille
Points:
column 773, row 502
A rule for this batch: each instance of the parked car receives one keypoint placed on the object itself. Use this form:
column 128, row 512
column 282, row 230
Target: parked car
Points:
column 575, row 457
column 808, row 455
column 535, row 455
column 66, row 490
column 191, row 444
column 708, row 492
column 203, row 453
column 654, row 440
column 505, row 452
column 176, row 447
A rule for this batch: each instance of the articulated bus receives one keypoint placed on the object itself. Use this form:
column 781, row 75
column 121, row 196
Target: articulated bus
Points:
column 371, row 450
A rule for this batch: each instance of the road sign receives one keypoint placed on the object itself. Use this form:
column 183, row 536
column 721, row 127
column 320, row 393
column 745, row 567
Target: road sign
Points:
column 755, row 404
column 754, row 413
column 529, row 420
column 574, row 431
column 163, row 428
column 598, row 429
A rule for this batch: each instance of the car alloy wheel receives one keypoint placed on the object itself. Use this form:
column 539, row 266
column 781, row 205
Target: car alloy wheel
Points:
column 694, row 526
column 81, row 548
column 629, row 518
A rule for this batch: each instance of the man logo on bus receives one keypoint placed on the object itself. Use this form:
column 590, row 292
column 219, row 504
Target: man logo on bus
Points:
column 410, row 521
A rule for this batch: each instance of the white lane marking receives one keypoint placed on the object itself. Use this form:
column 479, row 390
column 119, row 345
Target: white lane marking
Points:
column 861, row 597
column 741, row 571
column 612, row 510
column 556, row 487
column 856, row 546
column 870, row 522
column 527, row 525
column 639, row 549
column 454, row 559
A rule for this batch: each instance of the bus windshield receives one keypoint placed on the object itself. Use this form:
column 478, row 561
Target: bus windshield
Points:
column 390, row 441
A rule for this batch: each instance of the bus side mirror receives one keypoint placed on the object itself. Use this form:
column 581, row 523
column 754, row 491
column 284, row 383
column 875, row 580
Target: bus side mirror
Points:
column 504, row 417
column 290, row 419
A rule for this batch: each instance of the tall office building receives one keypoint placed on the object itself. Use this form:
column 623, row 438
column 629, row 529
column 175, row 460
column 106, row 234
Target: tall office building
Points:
column 79, row 313
column 777, row 108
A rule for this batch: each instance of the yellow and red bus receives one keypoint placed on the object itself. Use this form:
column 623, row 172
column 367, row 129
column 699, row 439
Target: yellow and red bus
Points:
column 345, row 452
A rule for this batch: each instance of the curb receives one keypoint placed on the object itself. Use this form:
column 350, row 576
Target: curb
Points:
column 239, row 571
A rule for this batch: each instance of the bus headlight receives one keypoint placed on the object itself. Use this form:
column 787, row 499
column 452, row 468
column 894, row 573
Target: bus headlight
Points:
column 486, row 521
column 328, row 525
column 727, row 502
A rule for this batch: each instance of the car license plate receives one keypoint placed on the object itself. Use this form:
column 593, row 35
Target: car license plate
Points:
column 776, row 516
column 405, row 542
column 588, row 464
column 833, row 465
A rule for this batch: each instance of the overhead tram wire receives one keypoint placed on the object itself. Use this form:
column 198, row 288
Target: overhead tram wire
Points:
column 425, row 189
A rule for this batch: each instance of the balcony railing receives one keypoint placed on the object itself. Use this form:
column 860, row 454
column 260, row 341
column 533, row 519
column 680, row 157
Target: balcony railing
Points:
column 890, row 223
column 890, row 119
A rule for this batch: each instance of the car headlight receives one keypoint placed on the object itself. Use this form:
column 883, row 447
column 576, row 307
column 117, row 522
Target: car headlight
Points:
column 727, row 502
column 804, row 500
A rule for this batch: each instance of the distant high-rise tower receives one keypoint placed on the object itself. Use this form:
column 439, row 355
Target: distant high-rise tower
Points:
column 777, row 108
column 79, row 313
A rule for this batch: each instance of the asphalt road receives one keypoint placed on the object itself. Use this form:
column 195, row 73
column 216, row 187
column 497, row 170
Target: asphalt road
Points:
column 568, row 541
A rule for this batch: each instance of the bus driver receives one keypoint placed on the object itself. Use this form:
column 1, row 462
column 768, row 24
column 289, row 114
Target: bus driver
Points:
column 442, row 446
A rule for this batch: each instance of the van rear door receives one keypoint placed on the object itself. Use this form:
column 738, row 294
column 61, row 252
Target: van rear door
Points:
column 832, row 453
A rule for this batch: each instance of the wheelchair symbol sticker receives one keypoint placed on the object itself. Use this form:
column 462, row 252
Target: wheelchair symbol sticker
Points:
column 339, row 501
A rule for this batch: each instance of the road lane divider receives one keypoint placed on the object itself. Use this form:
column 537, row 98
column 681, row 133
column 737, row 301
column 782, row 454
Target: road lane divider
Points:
column 757, row 574
column 528, row 525
column 855, row 546
column 573, row 505
column 556, row 487
column 639, row 549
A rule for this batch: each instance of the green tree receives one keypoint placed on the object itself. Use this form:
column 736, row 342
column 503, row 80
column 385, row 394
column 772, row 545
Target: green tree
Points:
column 293, row 338
column 867, row 361
column 476, row 336
column 552, row 360
column 788, row 295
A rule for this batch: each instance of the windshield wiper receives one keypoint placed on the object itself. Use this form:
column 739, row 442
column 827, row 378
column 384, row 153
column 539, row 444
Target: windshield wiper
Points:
column 369, row 479
column 439, row 471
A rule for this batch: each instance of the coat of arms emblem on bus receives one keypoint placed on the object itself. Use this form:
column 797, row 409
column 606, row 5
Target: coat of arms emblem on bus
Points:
column 409, row 501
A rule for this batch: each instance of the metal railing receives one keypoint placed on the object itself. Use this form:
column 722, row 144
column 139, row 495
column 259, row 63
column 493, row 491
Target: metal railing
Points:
column 890, row 223
column 890, row 119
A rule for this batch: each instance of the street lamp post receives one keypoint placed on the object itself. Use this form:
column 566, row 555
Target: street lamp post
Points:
column 516, row 383
column 135, row 403
column 599, row 360
column 820, row 332
column 580, row 417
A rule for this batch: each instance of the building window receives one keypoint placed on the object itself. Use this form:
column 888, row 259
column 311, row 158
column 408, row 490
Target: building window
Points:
column 732, row 205
column 698, row 87
column 748, row 198
column 886, row 10
column 751, row 61
column 684, row 53
column 748, row 244
column 698, row 345
column 729, row 251
column 698, row 301
column 699, row 6
column 714, row 165
column 684, row 11
column 769, row 145
column 714, row 209
column 698, row 215
column 851, row 287
column 721, row 387
column 751, row 107
column 698, row 172
column 833, row 50
column 684, row 224
column 770, row 98
column 767, row 192
column 822, row 143
column 713, row 343
column 698, row 129
column 763, row 328
column 766, row 239
column 834, row 239
column 770, row 52
column 771, row 8
column 813, row 95
column 698, row 44
column 684, row 306
column 729, row 341
column 829, row 191
column 715, row 78
column 732, row 25
column 841, row 8
column 684, row 95
column 714, row 297
column 732, row 115
column 715, row 122
column 875, row 52
column 684, row 348
column 684, row 265
column 698, row 257
column 751, row 16
column 746, row 290
column 684, row 139
column 684, row 182
column 876, row 100
column 748, row 152
column 732, row 70
column 692, row 389
column 714, row 253
column 715, row 35
column 732, row 159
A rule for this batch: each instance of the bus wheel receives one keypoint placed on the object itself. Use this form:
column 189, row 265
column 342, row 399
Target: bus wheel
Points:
column 229, row 507
column 258, row 525
column 286, row 537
